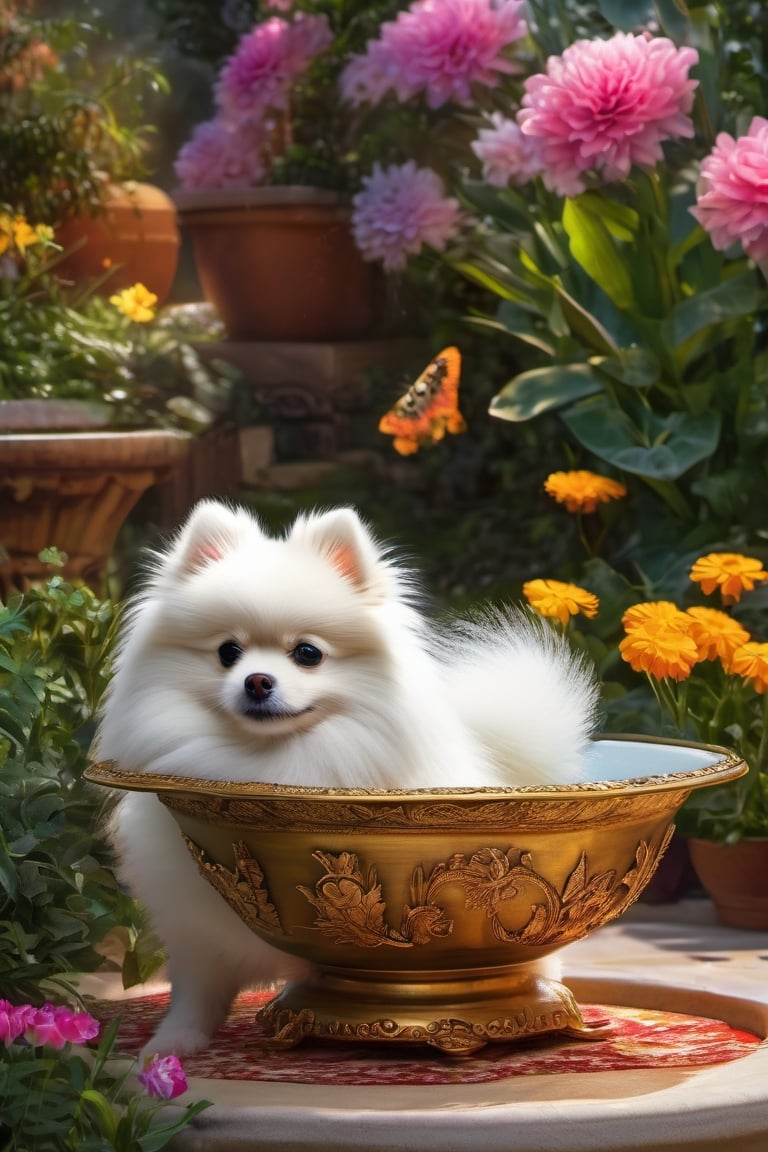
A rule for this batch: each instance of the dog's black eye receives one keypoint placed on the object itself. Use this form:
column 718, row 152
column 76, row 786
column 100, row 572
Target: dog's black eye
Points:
column 307, row 655
column 229, row 653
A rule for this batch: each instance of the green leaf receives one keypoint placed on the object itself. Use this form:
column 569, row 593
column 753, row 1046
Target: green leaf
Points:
column 663, row 450
column 595, row 250
column 626, row 15
column 543, row 389
column 584, row 326
column 732, row 299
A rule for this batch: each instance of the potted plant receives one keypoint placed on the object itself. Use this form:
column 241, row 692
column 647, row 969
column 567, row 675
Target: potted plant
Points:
column 59, row 899
column 98, row 401
column 74, row 145
column 308, row 120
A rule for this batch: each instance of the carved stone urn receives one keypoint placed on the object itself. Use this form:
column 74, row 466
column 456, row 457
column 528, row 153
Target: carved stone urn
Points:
column 69, row 488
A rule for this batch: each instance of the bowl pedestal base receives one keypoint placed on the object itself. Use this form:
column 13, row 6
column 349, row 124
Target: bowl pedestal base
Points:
column 457, row 1015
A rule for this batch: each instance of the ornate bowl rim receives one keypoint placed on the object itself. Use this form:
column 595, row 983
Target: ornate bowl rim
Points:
column 727, row 766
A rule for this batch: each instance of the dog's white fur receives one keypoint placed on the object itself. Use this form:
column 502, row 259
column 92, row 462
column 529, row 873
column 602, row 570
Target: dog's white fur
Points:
column 499, row 700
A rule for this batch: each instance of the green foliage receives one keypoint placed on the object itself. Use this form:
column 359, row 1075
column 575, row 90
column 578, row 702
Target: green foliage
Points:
column 71, row 114
column 649, row 344
column 64, row 343
column 73, row 1100
column 58, row 894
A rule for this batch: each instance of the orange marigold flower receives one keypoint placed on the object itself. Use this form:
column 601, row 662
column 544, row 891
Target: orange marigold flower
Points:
column 582, row 491
column 731, row 572
column 715, row 633
column 137, row 303
column 655, row 612
column 560, row 600
column 751, row 662
column 661, row 649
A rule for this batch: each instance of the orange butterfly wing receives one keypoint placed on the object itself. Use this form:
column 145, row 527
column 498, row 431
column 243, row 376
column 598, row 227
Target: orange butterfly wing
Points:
column 429, row 408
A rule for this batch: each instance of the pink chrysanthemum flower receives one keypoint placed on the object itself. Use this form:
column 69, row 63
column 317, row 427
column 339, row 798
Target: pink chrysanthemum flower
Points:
column 440, row 48
column 508, row 155
column 733, row 191
column 260, row 73
column 222, row 154
column 606, row 105
column 399, row 210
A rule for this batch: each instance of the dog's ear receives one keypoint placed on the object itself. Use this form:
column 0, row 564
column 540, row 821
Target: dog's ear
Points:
column 211, row 532
column 341, row 537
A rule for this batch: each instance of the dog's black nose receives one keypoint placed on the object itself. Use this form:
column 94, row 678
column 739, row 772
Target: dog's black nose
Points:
column 258, row 686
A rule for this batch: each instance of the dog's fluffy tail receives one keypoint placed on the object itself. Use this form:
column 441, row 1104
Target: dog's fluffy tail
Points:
column 528, row 696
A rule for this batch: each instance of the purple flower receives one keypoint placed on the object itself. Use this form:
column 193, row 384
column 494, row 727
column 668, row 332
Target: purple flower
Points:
column 57, row 1025
column 223, row 153
column 507, row 154
column 732, row 202
column 606, row 105
column 163, row 1076
column 399, row 210
column 438, row 47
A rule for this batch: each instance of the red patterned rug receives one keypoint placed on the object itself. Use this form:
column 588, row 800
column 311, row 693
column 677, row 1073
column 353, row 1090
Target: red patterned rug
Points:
column 638, row 1038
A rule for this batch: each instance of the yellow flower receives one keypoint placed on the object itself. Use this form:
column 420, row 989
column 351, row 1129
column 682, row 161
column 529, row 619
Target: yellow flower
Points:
column 558, row 599
column 751, row 662
column 661, row 648
column 137, row 303
column 582, row 491
column 715, row 634
column 730, row 571
column 655, row 612
column 6, row 232
column 24, row 235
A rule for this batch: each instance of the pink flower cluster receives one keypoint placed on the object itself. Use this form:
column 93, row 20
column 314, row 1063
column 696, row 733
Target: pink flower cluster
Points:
column 732, row 201
column 399, row 210
column 52, row 1025
column 56, row 1026
column 252, row 90
column 605, row 105
column 437, row 47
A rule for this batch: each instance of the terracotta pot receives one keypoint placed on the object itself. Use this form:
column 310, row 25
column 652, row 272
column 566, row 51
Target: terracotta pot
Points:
column 137, row 236
column 279, row 264
column 735, row 876
column 73, row 491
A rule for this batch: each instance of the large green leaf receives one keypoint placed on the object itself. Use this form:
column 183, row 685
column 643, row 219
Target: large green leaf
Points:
column 543, row 389
column 595, row 249
column 730, row 300
column 663, row 450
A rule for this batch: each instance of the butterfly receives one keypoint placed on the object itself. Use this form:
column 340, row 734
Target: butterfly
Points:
column 429, row 408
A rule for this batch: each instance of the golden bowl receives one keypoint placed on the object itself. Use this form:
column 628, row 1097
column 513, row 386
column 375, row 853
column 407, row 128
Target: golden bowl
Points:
column 420, row 909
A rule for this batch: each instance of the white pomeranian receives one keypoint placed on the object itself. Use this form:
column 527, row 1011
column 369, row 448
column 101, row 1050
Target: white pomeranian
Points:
column 302, row 660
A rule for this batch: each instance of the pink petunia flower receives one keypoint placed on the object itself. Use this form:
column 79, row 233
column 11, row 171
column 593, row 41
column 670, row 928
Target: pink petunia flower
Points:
column 732, row 201
column 57, row 1025
column 13, row 1020
column 438, row 47
column 223, row 154
column 399, row 210
column 163, row 1076
column 260, row 73
column 606, row 105
column 507, row 154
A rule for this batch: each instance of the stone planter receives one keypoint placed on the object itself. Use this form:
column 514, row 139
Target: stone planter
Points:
column 72, row 490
